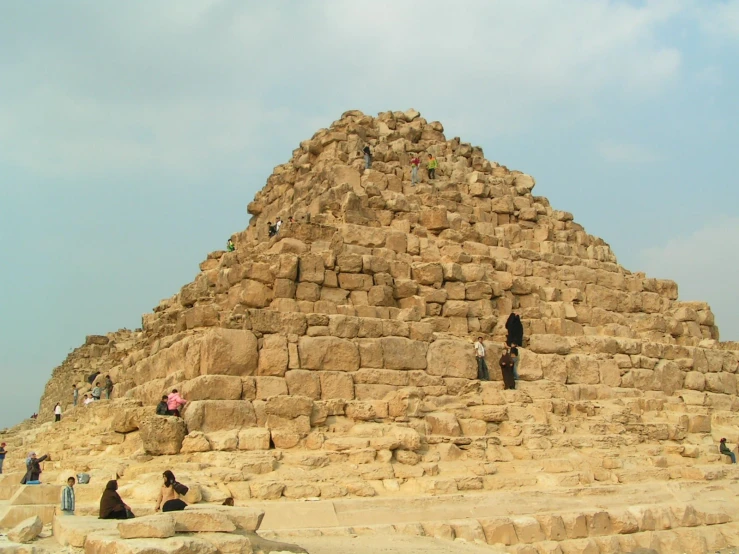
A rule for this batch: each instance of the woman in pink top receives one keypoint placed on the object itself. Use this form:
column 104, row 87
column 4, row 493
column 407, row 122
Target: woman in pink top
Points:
column 174, row 401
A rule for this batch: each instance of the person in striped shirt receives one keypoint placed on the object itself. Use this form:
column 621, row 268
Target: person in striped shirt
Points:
column 68, row 498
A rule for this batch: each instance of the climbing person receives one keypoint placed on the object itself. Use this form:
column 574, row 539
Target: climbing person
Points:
column 278, row 224
column 516, row 359
column 57, row 412
column 515, row 329
column 3, row 452
column 75, row 395
column 169, row 495
column 174, row 403
column 108, row 387
column 431, row 166
column 230, row 246
column 482, row 367
column 68, row 498
column 97, row 392
column 162, row 408
column 112, row 505
column 726, row 451
column 271, row 229
column 33, row 469
column 367, row 157
column 506, row 368
column 415, row 164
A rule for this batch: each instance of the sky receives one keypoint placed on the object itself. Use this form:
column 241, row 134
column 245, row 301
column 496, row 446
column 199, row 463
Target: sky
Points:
column 134, row 134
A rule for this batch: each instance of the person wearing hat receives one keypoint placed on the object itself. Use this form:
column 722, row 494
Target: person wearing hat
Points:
column 726, row 451
column 34, row 469
column 3, row 452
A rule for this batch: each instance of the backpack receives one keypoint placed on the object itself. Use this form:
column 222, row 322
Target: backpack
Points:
column 180, row 489
column 83, row 478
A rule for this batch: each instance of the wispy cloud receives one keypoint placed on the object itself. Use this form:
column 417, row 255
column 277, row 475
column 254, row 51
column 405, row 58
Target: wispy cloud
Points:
column 623, row 153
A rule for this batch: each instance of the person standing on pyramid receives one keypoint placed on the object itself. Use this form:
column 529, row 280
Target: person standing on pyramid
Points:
column 3, row 452
column 97, row 392
column 482, row 366
column 75, row 395
column 506, row 368
column 367, row 157
column 68, row 498
column 415, row 164
column 278, row 224
column 516, row 358
column 58, row 412
column 431, row 166
column 108, row 387
column 515, row 329
column 230, row 245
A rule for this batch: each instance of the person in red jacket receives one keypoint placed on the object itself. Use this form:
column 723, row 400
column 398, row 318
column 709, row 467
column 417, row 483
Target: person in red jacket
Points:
column 415, row 164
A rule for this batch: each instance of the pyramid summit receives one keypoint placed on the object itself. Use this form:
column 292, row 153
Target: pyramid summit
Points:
column 332, row 357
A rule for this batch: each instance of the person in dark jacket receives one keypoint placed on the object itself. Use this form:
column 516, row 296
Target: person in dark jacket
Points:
column 162, row 406
column 515, row 330
column 726, row 451
column 367, row 157
column 506, row 368
column 111, row 504
column 33, row 469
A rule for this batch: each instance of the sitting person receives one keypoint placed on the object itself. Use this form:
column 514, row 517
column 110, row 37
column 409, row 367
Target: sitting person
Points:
column 229, row 501
column 726, row 451
column 111, row 504
column 169, row 499
column 162, row 406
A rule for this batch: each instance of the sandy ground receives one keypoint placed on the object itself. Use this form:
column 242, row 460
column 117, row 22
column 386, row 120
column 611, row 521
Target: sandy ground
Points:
column 392, row 544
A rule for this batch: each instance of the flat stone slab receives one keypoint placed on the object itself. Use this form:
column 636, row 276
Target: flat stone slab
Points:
column 74, row 530
column 36, row 494
column 159, row 526
column 245, row 519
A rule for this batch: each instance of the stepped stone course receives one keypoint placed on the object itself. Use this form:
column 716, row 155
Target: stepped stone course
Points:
column 334, row 360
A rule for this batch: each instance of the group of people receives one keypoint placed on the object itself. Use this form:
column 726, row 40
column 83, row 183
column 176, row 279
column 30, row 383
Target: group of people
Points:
column 431, row 165
column 509, row 359
column 170, row 404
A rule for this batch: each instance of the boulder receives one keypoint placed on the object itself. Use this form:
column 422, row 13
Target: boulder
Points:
column 162, row 435
column 27, row 530
column 159, row 526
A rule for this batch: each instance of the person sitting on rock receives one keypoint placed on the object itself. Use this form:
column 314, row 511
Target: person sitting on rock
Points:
column 174, row 403
column 162, row 408
column 87, row 400
column 230, row 246
column 169, row 499
column 229, row 501
column 97, row 392
column 367, row 157
column 506, row 367
column 112, row 505
column 482, row 366
column 726, row 451
column 33, row 469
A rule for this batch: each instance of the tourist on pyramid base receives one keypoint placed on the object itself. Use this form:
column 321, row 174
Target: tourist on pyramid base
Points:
column 515, row 329
column 278, row 224
column 726, row 451
column 91, row 378
column 230, row 246
column 229, row 501
column 33, row 469
column 415, row 164
column 431, row 166
column 482, row 366
column 108, row 387
column 516, row 359
column 75, row 395
column 162, row 408
column 169, row 498
column 97, row 392
column 88, row 399
column 58, row 412
column 68, row 498
column 3, row 452
column 506, row 368
column 367, row 157
column 271, row 229
column 112, row 505
column 174, row 403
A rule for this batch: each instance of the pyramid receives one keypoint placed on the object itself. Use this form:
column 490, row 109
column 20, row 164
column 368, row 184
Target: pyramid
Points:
column 334, row 360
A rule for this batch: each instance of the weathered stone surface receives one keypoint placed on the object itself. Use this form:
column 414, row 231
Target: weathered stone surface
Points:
column 328, row 353
column 254, row 439
column 159, row 526
column 228, row 352
column 218, row 415
column 162, row 435
column 450, row 358
column 212, row 387
column 26, row 531
column 203, row 520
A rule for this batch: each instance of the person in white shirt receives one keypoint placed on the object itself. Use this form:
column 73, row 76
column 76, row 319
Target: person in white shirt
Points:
column 58, row 412
column 88, row 400
column 482, row 367
column 278, row 224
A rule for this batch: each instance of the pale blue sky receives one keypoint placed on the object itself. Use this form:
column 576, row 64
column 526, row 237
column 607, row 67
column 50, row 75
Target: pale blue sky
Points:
column 134, row 134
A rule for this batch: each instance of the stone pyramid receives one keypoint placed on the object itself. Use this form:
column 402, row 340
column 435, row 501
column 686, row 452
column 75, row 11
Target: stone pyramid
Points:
column 335, row 360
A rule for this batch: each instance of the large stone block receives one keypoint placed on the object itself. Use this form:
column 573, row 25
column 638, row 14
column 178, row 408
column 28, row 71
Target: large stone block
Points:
column 212, row 387
column 228, row 352
column 199, row 521
column 162, row 435
column 328, row 353
column 336, row 386
column 451, row 358
column 303, row 383
column 159, row 526
column 273, row 356
column 402, row 353
column 219, row 415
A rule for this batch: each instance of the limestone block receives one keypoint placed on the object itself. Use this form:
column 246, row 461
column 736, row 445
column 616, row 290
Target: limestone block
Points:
column 428, row 274
column 311, row 268
column 27, row 530
column 442, row 423
column 267, row 387
column 159, row 526
column 302, row 382
column 202, row 520
column 355, row 281
column 195, row 442
column 162, row 435
column 549, row 344
column 336, row 385
column 224, row 441
column 552, row 526
column 434, row 219
column 381, row 295
column 310, row 292
column 576, row 525
column 273, row 356
column 402, row 353
column 490, row 414
column 255, row 294
column 254, row 438
column 528, row 530
column 212, row 387
column 289, row 406
column 328, row 353
column 468, row 529
column 451, row 358
column 217, row 415
column 228, row 352
column 499, row 531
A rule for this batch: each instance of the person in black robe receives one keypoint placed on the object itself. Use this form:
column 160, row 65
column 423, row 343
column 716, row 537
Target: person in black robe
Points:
column 111, row 504
column 506, row 368
column 515, row 330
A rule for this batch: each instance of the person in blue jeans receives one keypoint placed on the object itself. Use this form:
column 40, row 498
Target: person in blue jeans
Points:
column 3, row 452
column 726, row 451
